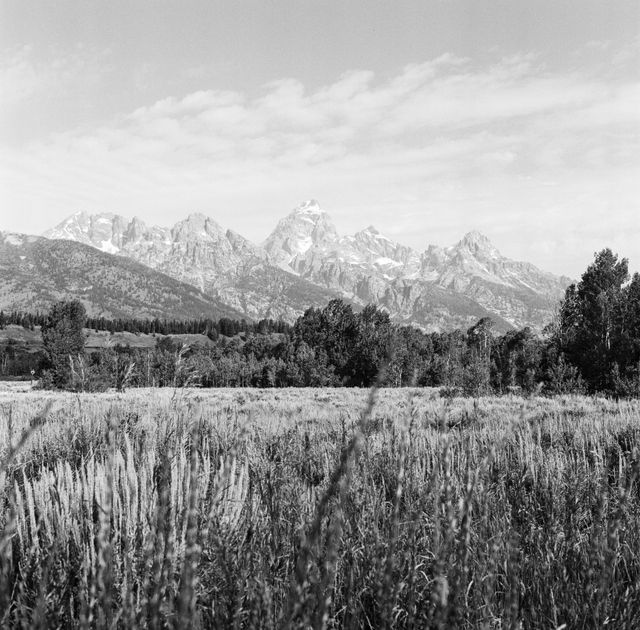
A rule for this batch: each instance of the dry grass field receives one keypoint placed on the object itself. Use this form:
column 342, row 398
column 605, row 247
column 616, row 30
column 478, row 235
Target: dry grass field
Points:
column 317, row 509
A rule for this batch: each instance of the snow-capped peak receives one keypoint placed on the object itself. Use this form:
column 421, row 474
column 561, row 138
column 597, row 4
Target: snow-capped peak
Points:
column 100, row 230
column 373, row 232
column 76, row 221
column 474, row 236
column 197, row 226
column 477, row 242
column 311, row 206
column 303, row 229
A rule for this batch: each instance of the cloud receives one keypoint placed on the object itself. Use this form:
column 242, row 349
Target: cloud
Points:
column 25, row 77
column 18, row 77
column 457, row 144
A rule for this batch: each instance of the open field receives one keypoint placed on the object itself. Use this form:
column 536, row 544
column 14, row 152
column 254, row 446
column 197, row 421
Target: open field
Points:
column 31, row 340
column 295, row 508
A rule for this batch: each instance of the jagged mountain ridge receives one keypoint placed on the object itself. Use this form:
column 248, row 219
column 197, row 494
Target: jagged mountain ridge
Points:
column 369, row 267
column 197, row 250
column 305, row 262
column 35, row 272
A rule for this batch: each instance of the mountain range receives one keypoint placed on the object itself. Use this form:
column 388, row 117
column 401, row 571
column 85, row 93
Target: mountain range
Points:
column 35, row 272
column 305, row 262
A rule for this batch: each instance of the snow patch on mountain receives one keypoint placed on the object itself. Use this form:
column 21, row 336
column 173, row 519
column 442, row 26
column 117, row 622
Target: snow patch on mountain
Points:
column 109, row 247
column 387, row 262
column 311, row 207
column 304, row 244
column 13, row 239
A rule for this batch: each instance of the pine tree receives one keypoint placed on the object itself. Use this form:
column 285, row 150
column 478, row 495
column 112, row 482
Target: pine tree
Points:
column 63, row 341
column 592, row 319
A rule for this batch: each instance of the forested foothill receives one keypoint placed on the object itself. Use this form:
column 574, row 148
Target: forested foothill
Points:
column 593, row 345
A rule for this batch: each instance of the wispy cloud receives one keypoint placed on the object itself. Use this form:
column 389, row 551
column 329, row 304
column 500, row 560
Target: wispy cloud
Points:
column 25, row 76
column 443, row 146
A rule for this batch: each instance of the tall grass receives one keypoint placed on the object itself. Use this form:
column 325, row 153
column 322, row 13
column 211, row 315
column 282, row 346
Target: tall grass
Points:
column 272, row 509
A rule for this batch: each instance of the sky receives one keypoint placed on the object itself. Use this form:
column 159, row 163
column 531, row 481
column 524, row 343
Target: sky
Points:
column 426, row 119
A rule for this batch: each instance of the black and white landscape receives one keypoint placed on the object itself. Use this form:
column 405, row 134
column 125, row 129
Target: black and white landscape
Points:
column 412, row 404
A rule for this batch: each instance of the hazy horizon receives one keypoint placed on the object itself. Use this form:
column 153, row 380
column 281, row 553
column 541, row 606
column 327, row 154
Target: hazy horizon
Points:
column 427, row 120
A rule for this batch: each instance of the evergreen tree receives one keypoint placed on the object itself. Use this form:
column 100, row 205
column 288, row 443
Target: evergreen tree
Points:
column 372, row 347
column 63, row 341
column 592, row 319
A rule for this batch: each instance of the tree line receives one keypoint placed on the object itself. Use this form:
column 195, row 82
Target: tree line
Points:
column 212, row 328
column 592, row 346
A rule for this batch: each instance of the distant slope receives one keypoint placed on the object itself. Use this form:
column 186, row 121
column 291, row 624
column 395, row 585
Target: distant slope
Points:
column 35, row 272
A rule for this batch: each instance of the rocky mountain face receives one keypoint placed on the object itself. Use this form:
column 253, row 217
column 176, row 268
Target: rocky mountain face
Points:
column 35, row 272
column 200, row 252
column 305, row 262
column 436, row 288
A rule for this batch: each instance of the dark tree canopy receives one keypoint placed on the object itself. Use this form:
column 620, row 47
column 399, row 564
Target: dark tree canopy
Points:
column 63, row 340
column 597, row 331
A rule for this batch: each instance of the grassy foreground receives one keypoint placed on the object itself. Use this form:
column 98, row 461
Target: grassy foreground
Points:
column 271, row 509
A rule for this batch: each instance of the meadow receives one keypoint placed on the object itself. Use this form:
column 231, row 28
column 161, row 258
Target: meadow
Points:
column 317, row 508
